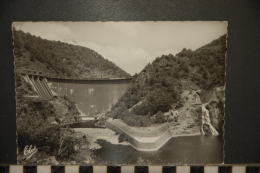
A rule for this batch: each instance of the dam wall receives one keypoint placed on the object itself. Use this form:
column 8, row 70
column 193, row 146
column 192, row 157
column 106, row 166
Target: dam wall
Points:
column 93, row 97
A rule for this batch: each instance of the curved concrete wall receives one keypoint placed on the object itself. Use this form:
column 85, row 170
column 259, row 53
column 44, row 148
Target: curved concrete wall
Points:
column 139, row 133
column 141, row 141
column 95, row 97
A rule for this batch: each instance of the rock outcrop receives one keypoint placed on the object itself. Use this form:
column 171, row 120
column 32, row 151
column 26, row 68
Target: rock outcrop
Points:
column 206, row 126
column 200, row 108
column 213, row 107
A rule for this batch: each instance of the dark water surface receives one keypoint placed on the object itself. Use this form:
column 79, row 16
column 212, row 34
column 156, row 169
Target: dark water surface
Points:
column 188, row 150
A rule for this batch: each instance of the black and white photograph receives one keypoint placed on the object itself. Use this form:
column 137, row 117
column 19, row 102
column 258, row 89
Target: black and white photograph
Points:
column 120, row 93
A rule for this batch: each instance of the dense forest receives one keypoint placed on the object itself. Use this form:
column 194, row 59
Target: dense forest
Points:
column 58, row 59
column 159, row 87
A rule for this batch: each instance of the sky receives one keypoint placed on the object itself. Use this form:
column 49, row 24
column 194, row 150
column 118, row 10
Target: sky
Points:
column 130, row 45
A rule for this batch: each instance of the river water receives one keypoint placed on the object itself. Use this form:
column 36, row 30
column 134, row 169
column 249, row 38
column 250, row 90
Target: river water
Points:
column 179, row 150
column 188, row 150
column 92, row 98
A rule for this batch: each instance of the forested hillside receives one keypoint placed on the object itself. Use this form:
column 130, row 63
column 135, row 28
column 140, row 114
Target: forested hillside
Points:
column 160, row 87
column 58, row 59
column 40, row 121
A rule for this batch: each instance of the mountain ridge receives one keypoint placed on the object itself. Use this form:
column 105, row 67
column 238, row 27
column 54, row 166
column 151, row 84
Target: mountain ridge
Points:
column 60, row 59
column 170, row 81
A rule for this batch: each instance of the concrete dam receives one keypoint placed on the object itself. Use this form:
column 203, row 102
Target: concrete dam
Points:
column 97, row 96
column 93, row 96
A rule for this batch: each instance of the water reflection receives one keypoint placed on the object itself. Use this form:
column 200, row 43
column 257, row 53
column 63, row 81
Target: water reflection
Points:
column 192, row 149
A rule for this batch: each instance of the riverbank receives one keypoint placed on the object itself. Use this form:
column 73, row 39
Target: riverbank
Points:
column 156, row 130
column 140, row 138
column 95, row 134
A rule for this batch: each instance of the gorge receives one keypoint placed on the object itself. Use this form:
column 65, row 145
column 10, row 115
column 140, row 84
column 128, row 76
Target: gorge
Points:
column 176, row 98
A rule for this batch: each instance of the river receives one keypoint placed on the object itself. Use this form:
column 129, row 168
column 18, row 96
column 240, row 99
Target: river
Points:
column 188, row 150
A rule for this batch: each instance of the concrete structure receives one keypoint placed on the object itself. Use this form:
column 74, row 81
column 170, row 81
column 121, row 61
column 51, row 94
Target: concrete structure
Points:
column 34, row 72
column 40, row 86
column 144, row 140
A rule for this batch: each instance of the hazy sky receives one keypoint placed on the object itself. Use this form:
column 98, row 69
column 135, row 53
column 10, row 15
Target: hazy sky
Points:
column 130, row 45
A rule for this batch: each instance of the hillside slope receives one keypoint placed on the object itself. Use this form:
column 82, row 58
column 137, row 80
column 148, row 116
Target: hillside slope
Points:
column 40, row 122
column 58, row 59
column 172, row 84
